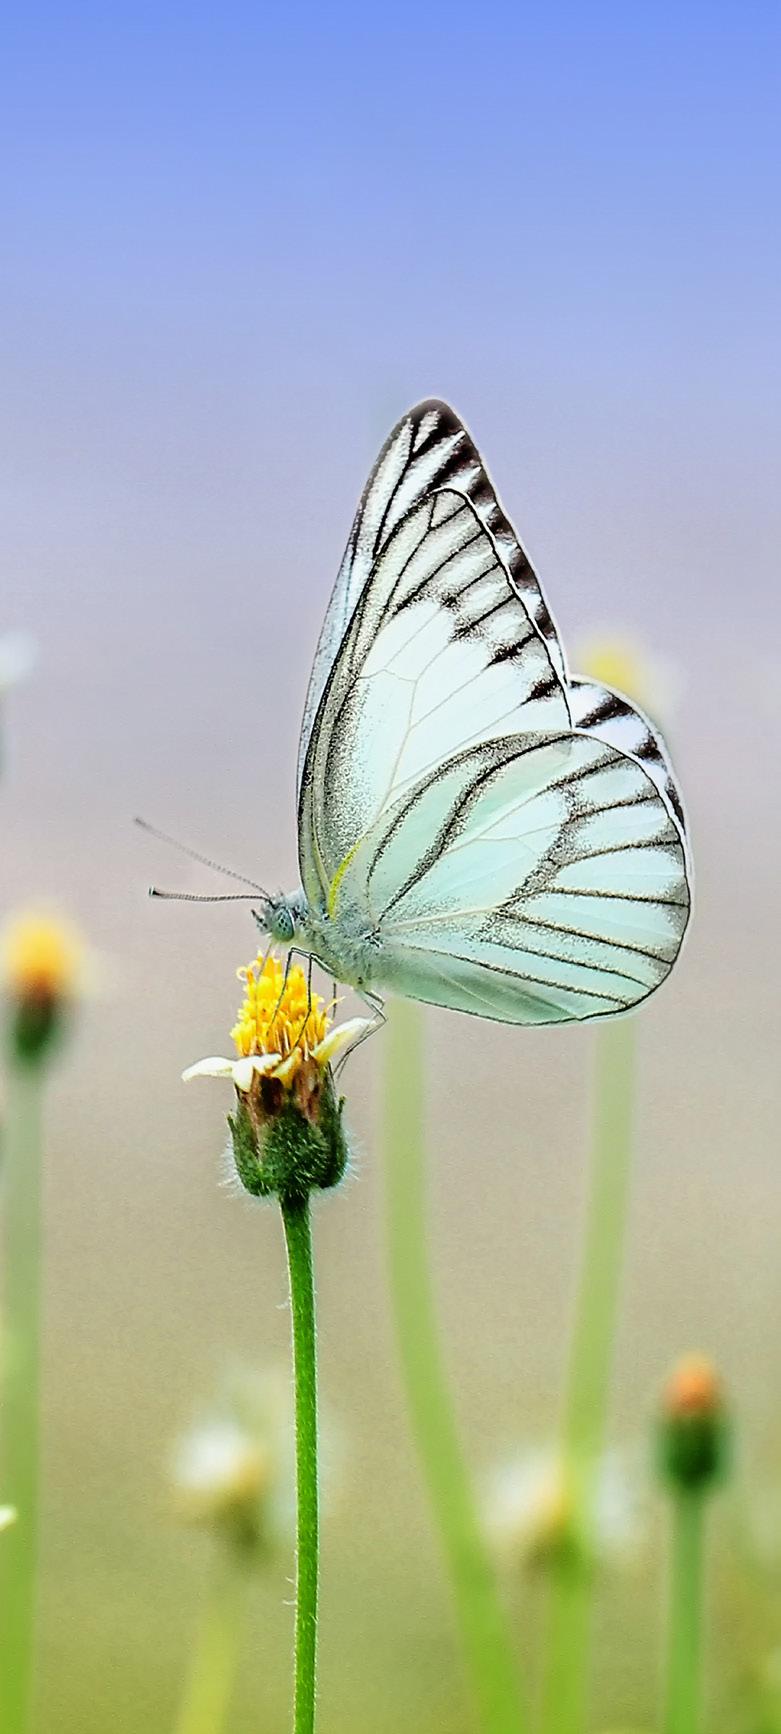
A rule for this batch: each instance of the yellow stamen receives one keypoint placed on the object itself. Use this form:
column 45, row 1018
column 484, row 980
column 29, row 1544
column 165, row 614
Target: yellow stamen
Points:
column 279, row 1014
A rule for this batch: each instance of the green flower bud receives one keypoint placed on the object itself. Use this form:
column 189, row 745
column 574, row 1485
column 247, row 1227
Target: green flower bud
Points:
column 694, row 1432
column 288, row 1141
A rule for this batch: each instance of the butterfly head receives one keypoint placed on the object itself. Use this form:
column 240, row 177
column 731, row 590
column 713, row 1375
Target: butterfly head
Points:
column 281, row 918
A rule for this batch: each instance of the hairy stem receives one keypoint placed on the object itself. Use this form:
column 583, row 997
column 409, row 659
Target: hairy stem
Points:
column 298, row 1235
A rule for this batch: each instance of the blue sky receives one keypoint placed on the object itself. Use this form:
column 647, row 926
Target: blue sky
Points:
column 240, row 240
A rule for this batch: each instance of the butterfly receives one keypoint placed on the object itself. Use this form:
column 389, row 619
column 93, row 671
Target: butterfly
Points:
column 477, row 828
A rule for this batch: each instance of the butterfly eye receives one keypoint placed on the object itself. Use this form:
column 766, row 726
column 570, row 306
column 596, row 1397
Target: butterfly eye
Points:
column 281, row 923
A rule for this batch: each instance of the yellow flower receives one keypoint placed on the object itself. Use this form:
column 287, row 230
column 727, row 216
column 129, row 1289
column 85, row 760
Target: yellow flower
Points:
column 41, row 968
column 287, row 1134
column 282, row 1025
column 693, row 1388
column 42, row 958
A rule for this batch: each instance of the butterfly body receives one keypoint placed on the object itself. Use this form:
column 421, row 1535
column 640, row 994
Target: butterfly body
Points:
column 476, row 827
column 346, row 950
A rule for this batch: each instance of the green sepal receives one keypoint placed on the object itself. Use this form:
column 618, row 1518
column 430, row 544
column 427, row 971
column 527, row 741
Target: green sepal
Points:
column 694, row 1450
column 288, row 1155
column 36, row 1026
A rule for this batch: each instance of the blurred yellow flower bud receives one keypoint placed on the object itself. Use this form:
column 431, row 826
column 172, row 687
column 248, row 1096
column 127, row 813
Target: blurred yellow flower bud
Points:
column 42, row 961
column 694, row 1426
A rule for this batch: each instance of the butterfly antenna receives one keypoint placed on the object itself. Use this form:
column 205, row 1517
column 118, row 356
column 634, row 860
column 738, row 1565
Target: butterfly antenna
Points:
column 195, row 855
column 202, row 896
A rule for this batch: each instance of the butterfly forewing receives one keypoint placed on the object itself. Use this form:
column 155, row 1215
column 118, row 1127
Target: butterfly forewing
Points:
column 610, row 717
column 429, row 449
column 440, row 655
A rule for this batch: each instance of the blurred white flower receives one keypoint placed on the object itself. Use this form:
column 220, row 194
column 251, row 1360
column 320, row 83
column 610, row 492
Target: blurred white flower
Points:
column 18, row 655
column 233, row 1469
column 219, row 1467
column 529, row 1508
column 8, row 1515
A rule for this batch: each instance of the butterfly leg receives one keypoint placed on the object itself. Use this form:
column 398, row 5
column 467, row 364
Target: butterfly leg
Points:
column 376, row 1006
column 306, row 956
column 300, row 1036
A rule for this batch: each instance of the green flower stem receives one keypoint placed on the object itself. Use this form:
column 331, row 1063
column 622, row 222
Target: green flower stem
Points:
column 587, row 1396
column 486, row 1633
column 214, row 1661
column 298, row 1236
column 22, row 1146
column 684, row 1655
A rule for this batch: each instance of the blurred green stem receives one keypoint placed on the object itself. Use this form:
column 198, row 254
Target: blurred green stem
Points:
column 298, row 1236
column 22, row 1162
column 684, row 1653
column 565, row 1684
column 213, row 1667
column 485, row 1630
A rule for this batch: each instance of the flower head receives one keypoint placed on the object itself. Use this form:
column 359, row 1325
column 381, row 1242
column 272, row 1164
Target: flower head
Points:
column 231, row 1470
column 694, row 1424
column 42, row 968
column 531, row 1509
column 285, row 1040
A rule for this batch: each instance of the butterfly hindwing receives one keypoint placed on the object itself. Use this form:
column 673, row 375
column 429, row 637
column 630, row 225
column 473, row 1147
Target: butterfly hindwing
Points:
column 555, row 865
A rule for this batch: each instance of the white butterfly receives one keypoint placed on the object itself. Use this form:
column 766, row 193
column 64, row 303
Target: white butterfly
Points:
column 476, row 828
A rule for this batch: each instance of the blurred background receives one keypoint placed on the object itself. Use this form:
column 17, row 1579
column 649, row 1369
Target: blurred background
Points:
column 237, row 243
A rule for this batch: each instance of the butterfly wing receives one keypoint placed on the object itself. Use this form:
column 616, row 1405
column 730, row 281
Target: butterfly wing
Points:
column 488, row 823
column 531, row 883
column 440, row 656
column 610, row 717
column 429, row 449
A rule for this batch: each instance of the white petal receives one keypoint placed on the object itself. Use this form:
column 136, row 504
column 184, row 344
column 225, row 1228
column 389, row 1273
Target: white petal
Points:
column 8, row 1515
column 285, row 1071
column 339, row 1037
column 244, row 1070
column 214, row 1067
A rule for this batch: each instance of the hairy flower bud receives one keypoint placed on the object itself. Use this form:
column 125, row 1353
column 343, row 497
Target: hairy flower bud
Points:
column 289, row 1140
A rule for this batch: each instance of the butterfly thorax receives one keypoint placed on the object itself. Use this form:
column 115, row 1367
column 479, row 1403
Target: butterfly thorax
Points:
column 344, row 949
